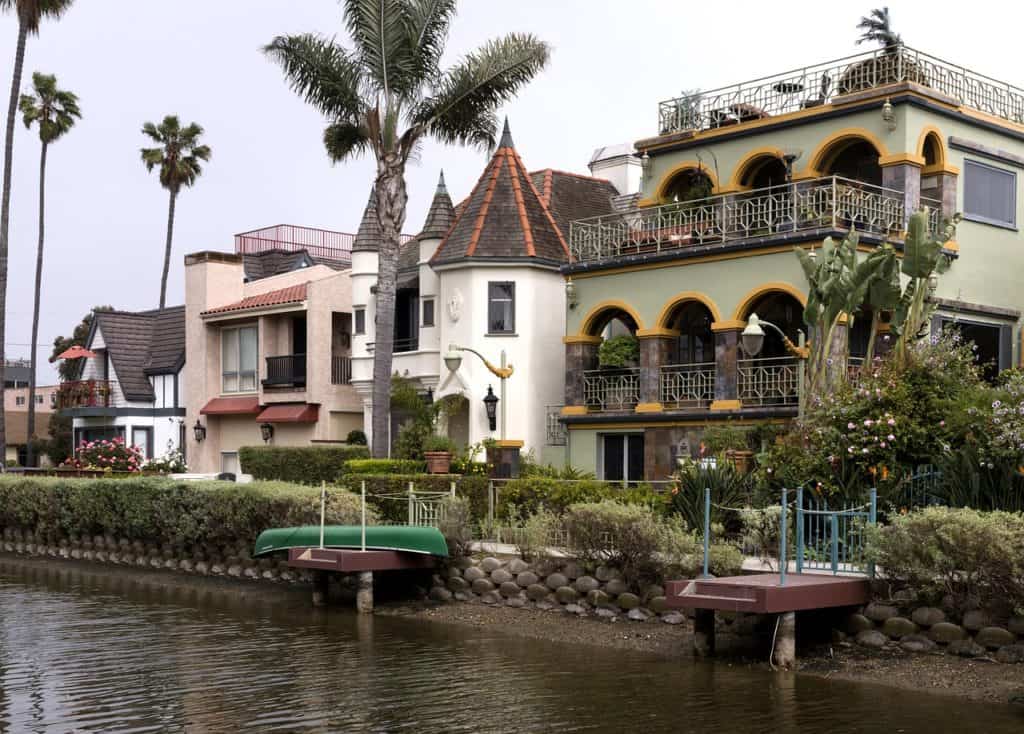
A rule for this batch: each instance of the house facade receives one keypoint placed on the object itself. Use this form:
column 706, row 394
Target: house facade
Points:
column 733, row 179
column 269, row 333
column 132, row 385
column 16, row 401
column 483, row 277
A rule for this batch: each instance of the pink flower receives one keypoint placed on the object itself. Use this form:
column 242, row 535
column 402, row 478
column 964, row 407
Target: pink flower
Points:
column 891, row 437
column 892, row 421
column 867, row 422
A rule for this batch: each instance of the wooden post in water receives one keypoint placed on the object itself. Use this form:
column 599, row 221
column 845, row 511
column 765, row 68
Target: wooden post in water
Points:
column 319, row 588
column 704, row 633
column 323, row 507
column 364, row 592
column 784, row 654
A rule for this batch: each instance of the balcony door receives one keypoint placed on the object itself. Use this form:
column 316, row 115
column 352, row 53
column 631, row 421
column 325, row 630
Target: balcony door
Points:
column 622, row 457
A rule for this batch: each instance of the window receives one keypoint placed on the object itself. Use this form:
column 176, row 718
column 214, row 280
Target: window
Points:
column 39, row 399
column 229, row 463
column 990, row 194
column 360, row 314
column 992, row 343
column 19, row 400
column 142, row 439
column 622, row 457
column 428, row 311
column 238, row 359
column 501, row 308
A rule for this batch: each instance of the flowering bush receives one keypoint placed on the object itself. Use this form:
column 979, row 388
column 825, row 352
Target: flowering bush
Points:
column 172, row 462
column 106, row 455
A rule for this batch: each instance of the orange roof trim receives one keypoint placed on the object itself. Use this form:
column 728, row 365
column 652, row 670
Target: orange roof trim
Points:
column 281, row 297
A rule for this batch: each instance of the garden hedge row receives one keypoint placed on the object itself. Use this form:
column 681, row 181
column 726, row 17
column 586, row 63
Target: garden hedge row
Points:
column 396, row 510
column 162, row 511
column 383, row 466
column 299, row 464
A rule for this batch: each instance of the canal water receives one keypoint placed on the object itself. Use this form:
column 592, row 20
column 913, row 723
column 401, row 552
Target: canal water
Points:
column 84, row 651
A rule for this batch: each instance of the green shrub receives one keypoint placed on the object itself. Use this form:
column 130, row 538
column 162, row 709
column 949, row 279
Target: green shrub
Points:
column 355, row 438
column 457, row 526
column 162, row 511
column 435, row 442
column 729, row 488
column 383, row 466
column 525, row 496
column 299, row 464
column 720, row 438
column 972, row 556
column 619, row 351
column 396, row 509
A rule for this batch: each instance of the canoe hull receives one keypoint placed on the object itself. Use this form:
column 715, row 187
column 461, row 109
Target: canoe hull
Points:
column 407, row 539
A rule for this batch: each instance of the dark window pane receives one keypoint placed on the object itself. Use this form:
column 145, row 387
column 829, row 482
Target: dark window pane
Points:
column 636, row 458
column 990, row 193
column 501, row 308
column 614, row 458
column 360, row 314
column 428, row 311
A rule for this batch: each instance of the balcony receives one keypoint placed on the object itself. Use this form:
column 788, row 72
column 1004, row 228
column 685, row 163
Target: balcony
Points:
column 769, row 381
column 814, row 86
column 400, row 346
column 818, row 206
column 556, row 434
column 685, row 386
column 611, row 390
column 341, row 370
column 286, row 371
column 85, row 394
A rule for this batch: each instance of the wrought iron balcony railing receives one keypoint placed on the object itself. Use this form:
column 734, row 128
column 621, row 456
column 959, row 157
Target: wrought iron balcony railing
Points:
column 611, row 390
column 768, row 381
column 286, row 371
column 687, row 385
column 824, row 204
column 556, row 434
column 85, row 394
column 341, row 370
column 813, row 86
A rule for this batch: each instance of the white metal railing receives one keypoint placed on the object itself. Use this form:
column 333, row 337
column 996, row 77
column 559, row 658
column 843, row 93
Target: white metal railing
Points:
column 555, row 429
column 824, row 204
column 605, row 390
column 687, row 385
column 768, row 381
column 813, row 86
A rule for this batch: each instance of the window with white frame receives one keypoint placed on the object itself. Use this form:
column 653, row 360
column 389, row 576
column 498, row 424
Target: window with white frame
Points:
column 19, row 400
column 990, row 194
column 229, row 463
column 39, row 399
column 360, row 319
column 239, row 359
column 501, row 307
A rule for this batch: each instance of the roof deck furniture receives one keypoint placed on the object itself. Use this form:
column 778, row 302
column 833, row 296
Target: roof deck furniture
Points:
column 85, row 394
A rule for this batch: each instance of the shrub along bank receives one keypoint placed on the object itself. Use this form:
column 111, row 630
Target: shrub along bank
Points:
column 299, row 464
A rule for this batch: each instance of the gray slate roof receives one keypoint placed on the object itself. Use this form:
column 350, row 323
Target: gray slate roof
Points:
column 368, row 236
column 143, row 343
column 273, row 262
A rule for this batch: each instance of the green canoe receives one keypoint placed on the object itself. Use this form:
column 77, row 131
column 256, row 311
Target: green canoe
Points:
column 411, row 539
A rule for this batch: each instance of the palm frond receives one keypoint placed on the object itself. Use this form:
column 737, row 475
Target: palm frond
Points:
column 31, row 12
column 463, row 108
column 179, row 155
column 344, row 140
column 877, row 27
column 379, row 30
column 321, row 72
column 428, row 23
column 54, row 109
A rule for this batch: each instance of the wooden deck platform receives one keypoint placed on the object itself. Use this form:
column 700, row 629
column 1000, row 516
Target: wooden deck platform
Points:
column 353, row 561
column 763, row 594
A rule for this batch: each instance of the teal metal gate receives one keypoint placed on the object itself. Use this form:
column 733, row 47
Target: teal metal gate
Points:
column 833, row 538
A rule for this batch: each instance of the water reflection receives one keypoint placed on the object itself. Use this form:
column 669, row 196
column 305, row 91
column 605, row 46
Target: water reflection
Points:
column 92, row 651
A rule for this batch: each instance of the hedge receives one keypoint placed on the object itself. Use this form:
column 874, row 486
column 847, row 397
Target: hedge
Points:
column 299, row 464
column 383, row 466
column 165, row 512
column 525, row 496
column 472, row 488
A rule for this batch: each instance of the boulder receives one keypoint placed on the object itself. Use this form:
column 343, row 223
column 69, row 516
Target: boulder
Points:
column 251, row 572
column 638, row 615
column 473, row 573
column 575, row 609
column 457, row 583
column 537, row 591
column 586, row 584
column 464, row 596
column 234, row 570
column 509, row 589
column 516, row 602
column 607, row 573
column 491, row 597
column 657, row 604
column 880, row 612
column 898, row 627
column 566, row 594
column 616, row 587
column 545, row 606
column 500, row 576
column 673, row 618
column 572, row 570
column 872, row 639
column 946, row 632
column 965, row 648
column 628, row 601
column 858, row 623
column 482, row 586
column 598, row 598
column 606, row 613
column 994, row 637
column 556, row 580
column 463, row 562
column 517, row 566
column 490, row 564
column 1016, row 625
column 904, row 596
column 917, row 643
column 526, row 578
column 1011, row 654
column 927, row 616
column 975, row 619
column 439, row 593
column 652, row 591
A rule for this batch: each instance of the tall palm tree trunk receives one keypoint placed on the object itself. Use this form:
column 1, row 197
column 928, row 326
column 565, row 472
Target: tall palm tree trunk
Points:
column 167, row 249
column 5, row 218
column 391, row 201
column 35, row 312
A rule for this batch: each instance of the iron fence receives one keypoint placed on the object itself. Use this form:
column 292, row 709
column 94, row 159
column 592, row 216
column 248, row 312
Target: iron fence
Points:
column 687, row 385
column 611, row 390
column 555, row 432
column 768, row 381
column 341, row 370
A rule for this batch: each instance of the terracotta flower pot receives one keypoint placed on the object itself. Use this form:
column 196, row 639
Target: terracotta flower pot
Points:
column 742, row 459
column 438, row 462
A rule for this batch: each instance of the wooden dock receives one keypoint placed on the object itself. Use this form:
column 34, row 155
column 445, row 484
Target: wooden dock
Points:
column 764, row 593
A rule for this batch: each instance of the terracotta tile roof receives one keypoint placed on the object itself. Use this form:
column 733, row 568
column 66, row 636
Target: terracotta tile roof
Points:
column 280, row 297
column 143, row 343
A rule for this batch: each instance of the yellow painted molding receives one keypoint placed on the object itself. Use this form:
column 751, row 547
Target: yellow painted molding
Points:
column 726, row 405
column 729, row 325
column 740, row 314
column 930, row 131
column 978, row 115
column 508, row 443
column 577, row 339
column 649, row 201
column 574, row 410
column 830, row 146
column 884, row 328
column 650, row 408
column 941, row 168
column 688, row 165
column 702, row 420
column 597, row 311
column 740, row 171
column 911, row 159
column 843, row 318
column 683, row 297
column 658, row 331
column 952, row 246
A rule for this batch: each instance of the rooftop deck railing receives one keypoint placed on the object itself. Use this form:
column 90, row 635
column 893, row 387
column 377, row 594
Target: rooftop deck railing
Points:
column 319, row 243
column 813, row 86
column 85, row 394
column 831, row 203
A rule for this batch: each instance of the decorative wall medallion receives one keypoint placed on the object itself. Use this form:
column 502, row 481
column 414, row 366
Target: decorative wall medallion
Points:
column 455, row 305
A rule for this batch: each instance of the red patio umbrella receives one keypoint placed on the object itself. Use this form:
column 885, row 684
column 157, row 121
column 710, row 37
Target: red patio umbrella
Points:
column 76, row 352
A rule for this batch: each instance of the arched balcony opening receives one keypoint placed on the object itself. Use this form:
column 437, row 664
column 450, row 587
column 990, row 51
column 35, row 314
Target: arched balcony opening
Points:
column 771, row 377
column 687, row 376
column 611, row 378
column 855, row 159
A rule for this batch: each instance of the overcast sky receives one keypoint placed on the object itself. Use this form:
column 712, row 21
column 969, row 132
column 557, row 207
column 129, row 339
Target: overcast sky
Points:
column 136, row 60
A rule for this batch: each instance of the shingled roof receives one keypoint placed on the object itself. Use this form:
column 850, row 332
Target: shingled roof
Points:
column 143, row 343
column 280, row 297
column 571, row 196
column 264, row 264
column 368, row 236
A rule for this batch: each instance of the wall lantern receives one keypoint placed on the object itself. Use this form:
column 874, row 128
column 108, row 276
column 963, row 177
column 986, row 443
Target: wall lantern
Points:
column 267, row 431
column 645, row 165
column 199, row 430
column 570, row 294
column 889, row 115
column 491, row 404
column 789, row 157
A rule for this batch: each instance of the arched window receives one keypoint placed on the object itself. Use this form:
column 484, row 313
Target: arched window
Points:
column 764, row 172
column 785, row 312
column 695, row 343
column 688, row 185
column 855, row 159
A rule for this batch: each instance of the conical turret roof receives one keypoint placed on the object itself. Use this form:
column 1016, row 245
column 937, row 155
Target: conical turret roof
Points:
column 441, row 214
column 368, row 237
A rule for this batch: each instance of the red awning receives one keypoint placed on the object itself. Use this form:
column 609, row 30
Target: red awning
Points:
column 289, row 413
column 249, row 405
column 75, row 352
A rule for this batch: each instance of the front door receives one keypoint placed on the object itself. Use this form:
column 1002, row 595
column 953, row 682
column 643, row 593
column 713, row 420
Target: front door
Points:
column 623, row 457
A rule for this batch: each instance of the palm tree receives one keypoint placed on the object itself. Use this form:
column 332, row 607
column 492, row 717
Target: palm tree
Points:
column 30, row 13
column 877, row 27
column 385, row 95
column 55, row 112
column 178, row 155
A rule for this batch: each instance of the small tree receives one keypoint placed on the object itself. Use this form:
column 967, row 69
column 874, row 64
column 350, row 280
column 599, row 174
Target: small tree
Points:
column 877, row 27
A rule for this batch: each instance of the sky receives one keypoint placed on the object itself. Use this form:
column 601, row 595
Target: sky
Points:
column 132, row 61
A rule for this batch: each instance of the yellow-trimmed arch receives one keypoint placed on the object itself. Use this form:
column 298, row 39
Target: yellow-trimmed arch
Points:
column 595, row 314
column 679, row 168
column 684, row 297
column 741, row 312
column 754, row 156
column 930, row 131
column 828, row 147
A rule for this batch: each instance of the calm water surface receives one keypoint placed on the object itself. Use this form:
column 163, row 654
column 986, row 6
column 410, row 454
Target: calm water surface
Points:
column 92, row 651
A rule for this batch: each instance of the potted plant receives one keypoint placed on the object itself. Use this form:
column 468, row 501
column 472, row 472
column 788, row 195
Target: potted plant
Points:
column 438, row 451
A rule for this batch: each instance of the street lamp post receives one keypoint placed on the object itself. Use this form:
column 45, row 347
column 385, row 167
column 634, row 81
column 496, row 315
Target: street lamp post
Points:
column 453, row 360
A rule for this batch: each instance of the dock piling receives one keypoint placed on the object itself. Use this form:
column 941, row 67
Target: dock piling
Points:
column 364, row 592
column 704, row 633
column 319, row 588
column 784, row 654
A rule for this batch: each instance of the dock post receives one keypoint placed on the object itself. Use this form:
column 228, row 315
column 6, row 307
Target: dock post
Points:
column 704, row 633
column 364, row 593
column 707, row 528
column 783, row 541
column 319, row 588
column 784, row 654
